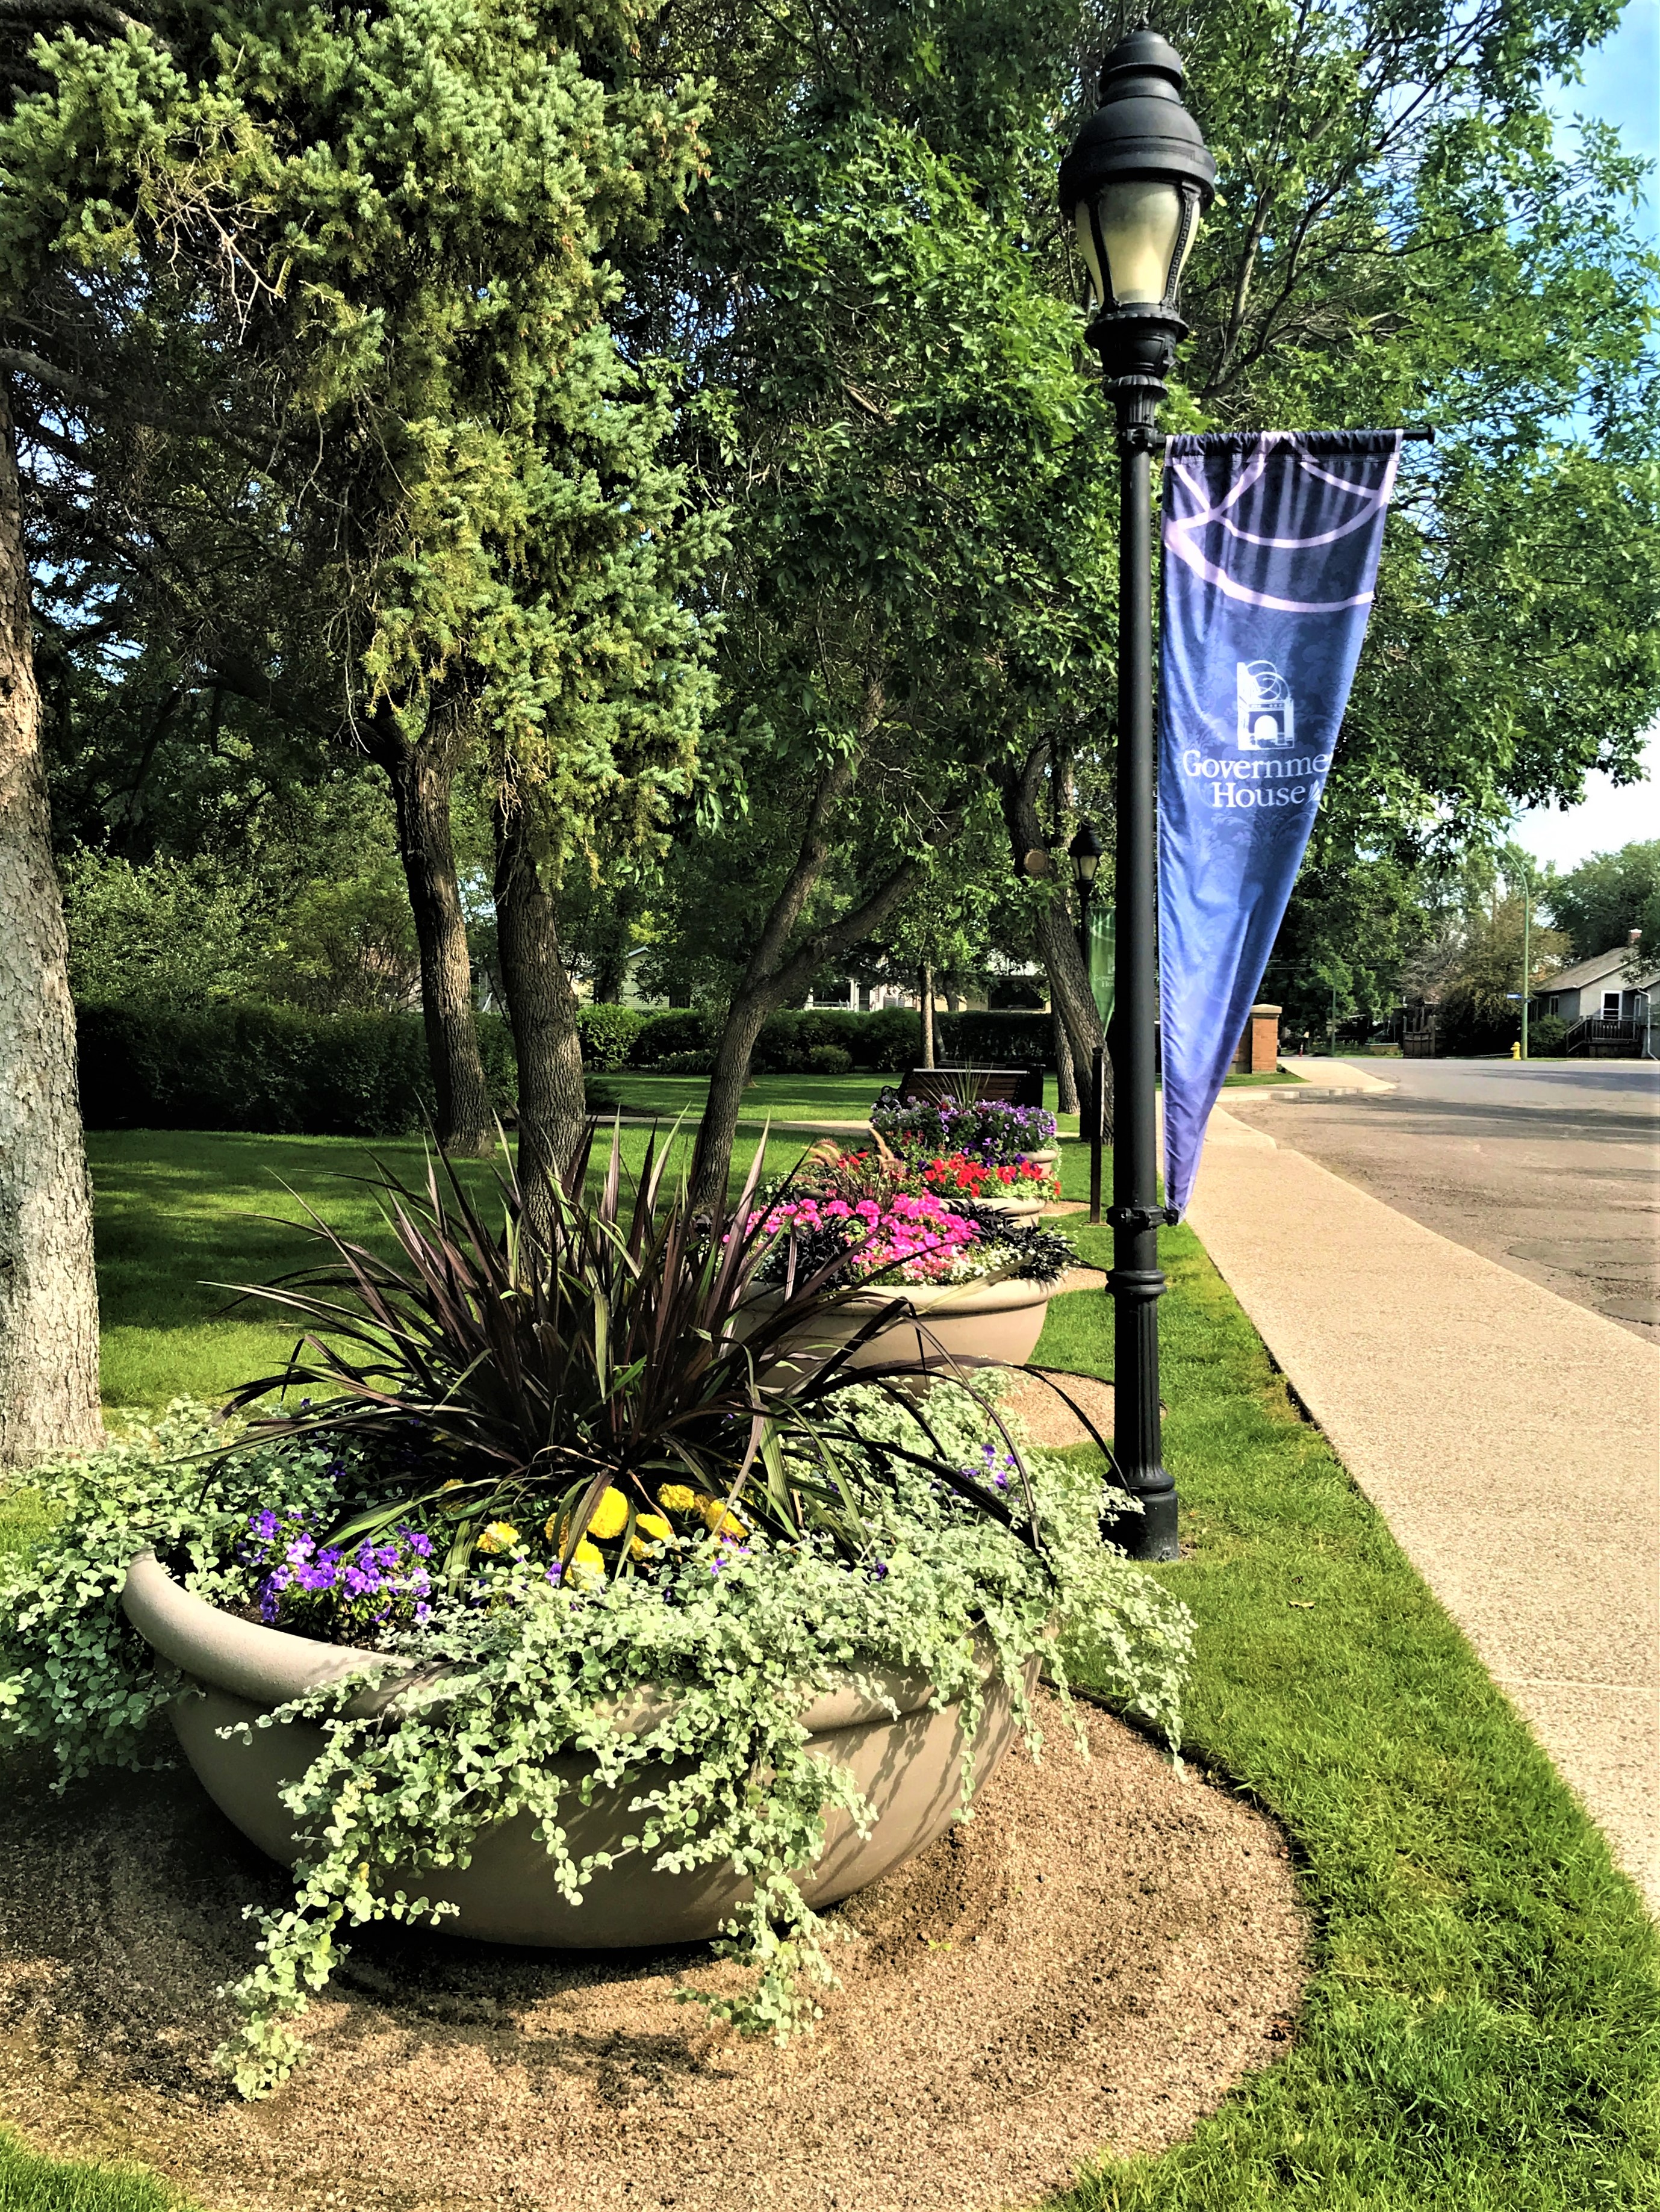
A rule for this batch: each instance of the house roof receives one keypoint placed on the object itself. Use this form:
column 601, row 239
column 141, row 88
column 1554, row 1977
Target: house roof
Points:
column 1585, row 972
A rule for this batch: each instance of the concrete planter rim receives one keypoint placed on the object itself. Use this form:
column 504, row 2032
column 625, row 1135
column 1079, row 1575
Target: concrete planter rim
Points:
column 1005, row 1294
column 272, row 1667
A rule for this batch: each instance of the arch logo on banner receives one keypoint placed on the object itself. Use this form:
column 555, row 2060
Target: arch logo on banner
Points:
column 1271, row 548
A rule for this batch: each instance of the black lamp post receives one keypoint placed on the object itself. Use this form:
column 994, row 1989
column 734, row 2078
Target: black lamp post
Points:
column 1085, row 852
column 1136, row 186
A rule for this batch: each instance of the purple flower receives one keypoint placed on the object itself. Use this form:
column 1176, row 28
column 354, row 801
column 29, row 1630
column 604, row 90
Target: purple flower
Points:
column 341, row 1591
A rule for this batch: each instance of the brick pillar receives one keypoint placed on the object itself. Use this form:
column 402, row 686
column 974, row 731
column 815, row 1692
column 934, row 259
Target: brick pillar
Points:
column 1264, row 1033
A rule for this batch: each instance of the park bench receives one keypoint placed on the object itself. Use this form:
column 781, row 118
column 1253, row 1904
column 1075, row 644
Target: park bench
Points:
column 1009, row 1086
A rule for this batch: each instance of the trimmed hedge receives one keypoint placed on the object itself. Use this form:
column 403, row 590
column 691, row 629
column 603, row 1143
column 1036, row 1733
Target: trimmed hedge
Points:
column 1013, row 1039
column 609, row 1034
column 660, row 1035
column 885, row 1043
column 875, row 1044
column 277, row 1071
column 268, row 1069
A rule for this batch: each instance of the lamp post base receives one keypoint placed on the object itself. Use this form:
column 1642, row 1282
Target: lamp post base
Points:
column 1149, row 1534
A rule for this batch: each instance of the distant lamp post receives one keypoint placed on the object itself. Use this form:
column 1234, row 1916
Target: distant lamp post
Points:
column 1134, row 187
column 1527, row 954
column 1084, row 853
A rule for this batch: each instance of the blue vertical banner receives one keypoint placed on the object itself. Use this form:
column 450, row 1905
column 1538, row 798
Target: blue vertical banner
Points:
column 1271, row 548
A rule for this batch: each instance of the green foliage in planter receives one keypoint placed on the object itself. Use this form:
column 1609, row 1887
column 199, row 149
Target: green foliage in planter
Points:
column 74, row 1678
column 746, row 1642
column 602, row 1346
column 552, row 1370
column 267, row 1068
column 609, row 1034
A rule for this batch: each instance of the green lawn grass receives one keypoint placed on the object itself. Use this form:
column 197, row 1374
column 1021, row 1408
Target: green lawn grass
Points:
column 1482, row 2030
column 778, row 1097
column 181, row 1212
column 43, row 2184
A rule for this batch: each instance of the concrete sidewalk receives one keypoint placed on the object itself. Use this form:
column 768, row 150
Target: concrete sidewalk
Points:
column 1511, row 1440
column 1328, row 1075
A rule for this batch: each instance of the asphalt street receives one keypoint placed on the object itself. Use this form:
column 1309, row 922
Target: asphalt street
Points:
column 1550, row 1168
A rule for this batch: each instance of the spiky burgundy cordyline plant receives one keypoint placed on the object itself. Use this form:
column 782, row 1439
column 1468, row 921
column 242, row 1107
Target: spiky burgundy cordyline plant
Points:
column 625, row 1346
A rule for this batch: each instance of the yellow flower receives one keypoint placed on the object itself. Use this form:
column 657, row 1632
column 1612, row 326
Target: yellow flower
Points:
column 675, row 1497
column 652, row 1531
column 587, row 1563
column 719, row 1521
column 610, row 1516
column 500, row 1536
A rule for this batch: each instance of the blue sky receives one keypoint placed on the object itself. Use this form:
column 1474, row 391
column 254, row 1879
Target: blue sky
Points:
column 1621, row 86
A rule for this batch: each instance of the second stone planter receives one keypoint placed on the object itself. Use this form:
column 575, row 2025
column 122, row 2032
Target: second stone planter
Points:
column 995, row 1321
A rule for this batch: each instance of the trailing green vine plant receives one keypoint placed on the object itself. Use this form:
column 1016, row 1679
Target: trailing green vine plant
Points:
column 707, row 1535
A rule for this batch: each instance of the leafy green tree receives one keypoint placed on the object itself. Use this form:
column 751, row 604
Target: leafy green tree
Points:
column 173, row 933
column 1405, row 236
column 892, row 408
column 1401, row 238
column 372, row 246
column 1601, row 901
column 1468, row 960
column 209, row 852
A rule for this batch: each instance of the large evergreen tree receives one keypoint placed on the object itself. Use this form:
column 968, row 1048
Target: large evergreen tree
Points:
column 403, row 486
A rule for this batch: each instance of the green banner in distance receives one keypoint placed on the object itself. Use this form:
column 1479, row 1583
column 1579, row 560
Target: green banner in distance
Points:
column 1103, row 924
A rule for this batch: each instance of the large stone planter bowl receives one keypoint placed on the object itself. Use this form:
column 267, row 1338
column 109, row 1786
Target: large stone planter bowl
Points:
column 999, row 1322
column 911, row 1769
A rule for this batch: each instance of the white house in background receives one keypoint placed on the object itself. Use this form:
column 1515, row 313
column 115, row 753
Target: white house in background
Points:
column 1601, row 989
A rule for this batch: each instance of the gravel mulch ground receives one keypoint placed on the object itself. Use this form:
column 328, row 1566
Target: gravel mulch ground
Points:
column 1046, row 1419
column 1093, row 1961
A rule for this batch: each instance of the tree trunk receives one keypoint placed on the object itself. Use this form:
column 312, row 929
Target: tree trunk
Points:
column 925, row 999
column 48, row 1289
column 1057, row 942
column 610, row 974
column 610, row 969
column 1066, row 1074
column 718, row 1130
column 777, row 972
column 421, row 776
column 541, row 1008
